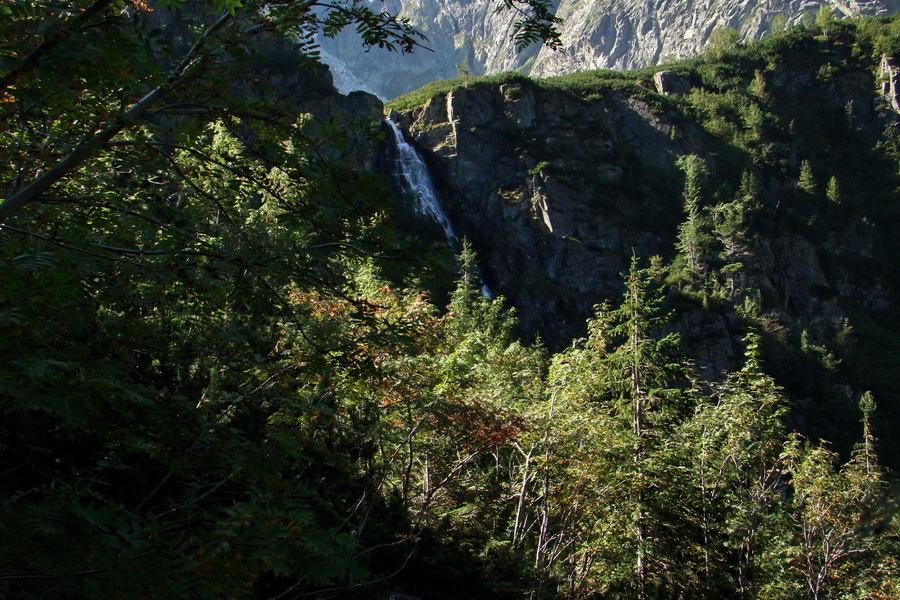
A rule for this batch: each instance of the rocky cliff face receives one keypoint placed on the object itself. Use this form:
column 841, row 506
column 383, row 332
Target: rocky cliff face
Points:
column 596, row 34
column 555, row 193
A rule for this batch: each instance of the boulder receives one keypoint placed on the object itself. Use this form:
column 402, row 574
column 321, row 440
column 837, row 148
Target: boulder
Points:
column 669, row 82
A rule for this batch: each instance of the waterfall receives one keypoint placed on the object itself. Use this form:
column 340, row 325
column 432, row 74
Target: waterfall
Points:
column 412, row 175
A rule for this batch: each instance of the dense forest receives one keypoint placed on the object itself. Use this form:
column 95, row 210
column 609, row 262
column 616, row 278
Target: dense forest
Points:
column 225, row 371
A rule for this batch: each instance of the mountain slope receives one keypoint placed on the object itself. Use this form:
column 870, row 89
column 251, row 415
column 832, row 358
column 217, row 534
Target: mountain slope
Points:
column 596, row 34
column 558, row 182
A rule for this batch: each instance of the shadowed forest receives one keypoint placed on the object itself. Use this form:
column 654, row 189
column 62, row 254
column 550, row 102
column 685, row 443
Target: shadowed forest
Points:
column 228, row 371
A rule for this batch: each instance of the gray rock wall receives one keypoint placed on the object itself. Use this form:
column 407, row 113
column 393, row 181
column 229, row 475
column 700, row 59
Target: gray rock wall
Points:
column 596, row 34
column 555, row 193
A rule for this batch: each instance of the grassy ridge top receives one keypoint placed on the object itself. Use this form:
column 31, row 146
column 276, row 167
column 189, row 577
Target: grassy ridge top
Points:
column 587, row 85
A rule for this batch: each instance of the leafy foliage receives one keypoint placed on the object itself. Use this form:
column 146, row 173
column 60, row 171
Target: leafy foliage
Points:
column 536, row 25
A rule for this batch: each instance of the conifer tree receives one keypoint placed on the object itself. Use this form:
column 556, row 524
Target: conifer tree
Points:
column 737, row 436
column 639, row 374
column 833, row 191
column 693, row 234
column 757, row 87
column 730, row 228
column 807, row 181
column 867, row 446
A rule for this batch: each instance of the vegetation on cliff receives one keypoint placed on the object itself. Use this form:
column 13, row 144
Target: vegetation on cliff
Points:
column 788, row 229
column 209, row 388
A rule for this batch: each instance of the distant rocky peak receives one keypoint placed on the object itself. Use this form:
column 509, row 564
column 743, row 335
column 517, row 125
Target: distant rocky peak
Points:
column 608, row 34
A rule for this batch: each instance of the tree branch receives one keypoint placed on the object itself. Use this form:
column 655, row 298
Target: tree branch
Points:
column 87, row 148
column 66, row 246
column 352, row 247
column 50, row 41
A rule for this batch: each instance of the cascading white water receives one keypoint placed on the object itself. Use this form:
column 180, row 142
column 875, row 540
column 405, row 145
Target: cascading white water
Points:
column 412, row 175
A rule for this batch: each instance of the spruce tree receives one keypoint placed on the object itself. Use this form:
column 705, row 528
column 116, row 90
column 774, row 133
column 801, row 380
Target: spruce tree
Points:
column 737, row 437
column 641, row 378
column 693, row 234
column 833, row 191
column 807, row 181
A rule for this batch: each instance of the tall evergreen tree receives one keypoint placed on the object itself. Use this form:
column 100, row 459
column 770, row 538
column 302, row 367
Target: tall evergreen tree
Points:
column 833, row 191
column 737, row 438
column 641, row 383
column 694, row 239
column 807, row 181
